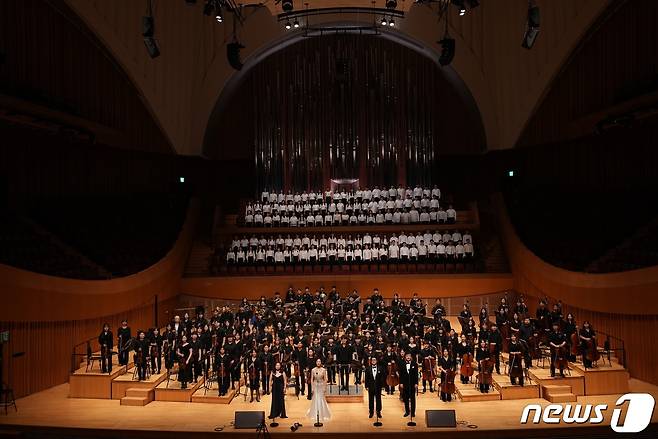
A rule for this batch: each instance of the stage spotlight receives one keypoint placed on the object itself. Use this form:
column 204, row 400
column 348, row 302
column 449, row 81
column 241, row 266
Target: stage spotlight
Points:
column 219, row 15
column 181, row 179
column 510, row 173
column 295, row 24
column 391, row 23
column 233, row 54
column 532, row 26
column 152, row 47
column 190, row 2
column 447, row 50
column 384, row 22
column 287, row 5
column 288, row 26
column 460, row 5
column 391, row 4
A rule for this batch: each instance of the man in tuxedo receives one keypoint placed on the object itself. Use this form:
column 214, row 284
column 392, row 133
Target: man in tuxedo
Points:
column 409, row 384
column 374, row 383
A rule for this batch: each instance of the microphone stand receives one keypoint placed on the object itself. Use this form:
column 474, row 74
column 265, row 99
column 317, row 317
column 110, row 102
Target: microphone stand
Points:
column 317, row 422
column 411, row 423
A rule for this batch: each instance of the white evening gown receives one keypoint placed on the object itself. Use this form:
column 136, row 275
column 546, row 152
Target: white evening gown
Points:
column 318, row 402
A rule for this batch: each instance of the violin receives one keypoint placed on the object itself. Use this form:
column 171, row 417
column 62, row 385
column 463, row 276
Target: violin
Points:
column 466, row 369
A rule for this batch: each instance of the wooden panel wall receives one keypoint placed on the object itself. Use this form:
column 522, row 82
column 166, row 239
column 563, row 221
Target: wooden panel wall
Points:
column 620, row 304
column 53, row 60
column 48, row 345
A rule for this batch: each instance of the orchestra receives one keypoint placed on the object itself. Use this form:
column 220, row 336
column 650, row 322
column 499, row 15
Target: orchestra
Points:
column 348, row 334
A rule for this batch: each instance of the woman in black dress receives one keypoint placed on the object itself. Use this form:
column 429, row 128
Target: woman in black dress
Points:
column 278, row 385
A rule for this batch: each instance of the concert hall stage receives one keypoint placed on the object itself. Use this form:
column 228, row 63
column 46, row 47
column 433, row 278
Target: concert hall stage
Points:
column 52, row 411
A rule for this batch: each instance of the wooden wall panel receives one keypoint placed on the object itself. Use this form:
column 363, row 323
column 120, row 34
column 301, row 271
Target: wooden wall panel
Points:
column 48, row 345
column 37, row 297
column 620, row 304
column 54, row 61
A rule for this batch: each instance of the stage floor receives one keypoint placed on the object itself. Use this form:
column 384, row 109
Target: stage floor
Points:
column 52, row 410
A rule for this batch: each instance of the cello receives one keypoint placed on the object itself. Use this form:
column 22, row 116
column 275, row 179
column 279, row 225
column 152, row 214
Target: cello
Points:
column 466, row 369
column 392, row 375
column 515, row 365
column 429, row 369
column 591, row 351
column 448, row 382
column 486, row 372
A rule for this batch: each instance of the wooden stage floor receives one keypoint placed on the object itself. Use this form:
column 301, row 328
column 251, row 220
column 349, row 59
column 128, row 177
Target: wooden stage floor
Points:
column 52, row 411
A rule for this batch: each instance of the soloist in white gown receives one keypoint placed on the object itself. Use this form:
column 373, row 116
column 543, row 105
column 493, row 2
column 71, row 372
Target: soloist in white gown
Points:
column 318, row 402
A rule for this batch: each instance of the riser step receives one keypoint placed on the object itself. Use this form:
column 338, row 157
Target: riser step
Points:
column 139, row 393
column 556, row 389
column 134, row 401
column 561, row 397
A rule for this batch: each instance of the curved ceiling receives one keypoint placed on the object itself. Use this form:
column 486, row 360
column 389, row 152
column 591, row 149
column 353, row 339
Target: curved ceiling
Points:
column 183, row 85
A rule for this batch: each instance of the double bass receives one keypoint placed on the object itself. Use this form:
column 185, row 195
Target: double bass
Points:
column 466, row 369
column 574, row 343
column 559, row 356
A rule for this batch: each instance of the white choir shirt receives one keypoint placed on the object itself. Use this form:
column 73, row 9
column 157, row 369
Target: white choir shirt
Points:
column 240, row 255
column 404, row 251
column 450, row 249
column 367, row 254
column 295, row 252
column 313, row 253
column 468, row 248
column 379, row 219
column 303, row 254
column 230, row 256
column 367, row 239
column 434, row 216
column 441, row 249
column 434, row 203
column 268, row 220
column 442, row 215
column 397, row 217
column 459, row 249
column 467, row 237
column 456, row 236
column 260, row 255
column 341, row 253
column 424, row 217
column 358, row 253
column 258, row 218
column 278, row 256
column 436, row 192
column 269, row 253
column 265, row 195
column 249, row 219
column 413, row 252
column 422, row 250
column 452, row 213
column 393, row 251
column 332, row 251
column 405, row 218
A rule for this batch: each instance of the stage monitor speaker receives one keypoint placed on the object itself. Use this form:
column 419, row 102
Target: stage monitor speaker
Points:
column 440, row 418
column 244, row 420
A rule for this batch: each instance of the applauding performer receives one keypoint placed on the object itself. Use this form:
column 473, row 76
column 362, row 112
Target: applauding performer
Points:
column 374, row 384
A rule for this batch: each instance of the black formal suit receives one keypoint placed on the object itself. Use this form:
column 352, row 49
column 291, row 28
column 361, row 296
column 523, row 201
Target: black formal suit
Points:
column 409, row 381
column 374, row 384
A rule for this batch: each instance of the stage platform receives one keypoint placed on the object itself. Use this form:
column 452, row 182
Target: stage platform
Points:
column 355, row 394
column 93, row 384
column 507, row 390
column 124, row 382
column 52, row 412
column 211, row 395
column 170, row 390
column 605, row 378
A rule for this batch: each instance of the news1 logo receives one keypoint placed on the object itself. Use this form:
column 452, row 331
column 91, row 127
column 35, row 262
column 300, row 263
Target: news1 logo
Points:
column 638, row 413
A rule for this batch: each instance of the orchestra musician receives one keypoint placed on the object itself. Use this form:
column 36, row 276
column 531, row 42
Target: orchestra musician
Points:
column 300, row 357
column 557, row 342
column 221, row 363
column 254, row 369
column 155, row 349
column 343, row 356
column 588, row 341
column 483, row 356
column 267, row 362
column 106, row 343
column 195, row 361
column 515, row 356
column 428, row 355
column 141, row 348
column 184, row 355
column 124, row 337
column 447, row 366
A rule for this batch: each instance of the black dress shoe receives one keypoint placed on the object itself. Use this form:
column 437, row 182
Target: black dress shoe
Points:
column 379, row 415
column 370, row 415
column 406, row 414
